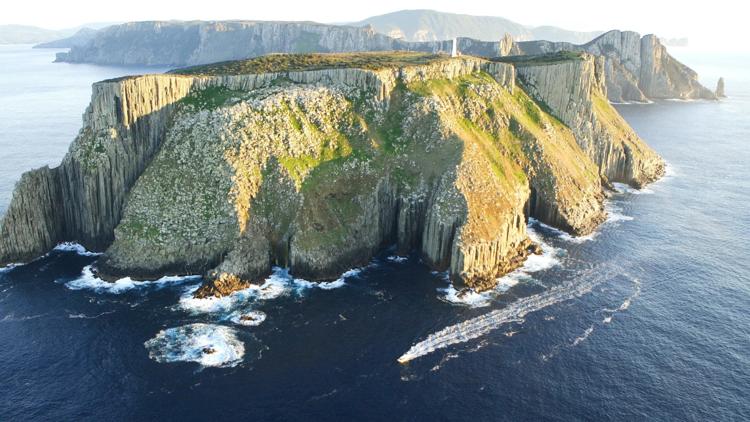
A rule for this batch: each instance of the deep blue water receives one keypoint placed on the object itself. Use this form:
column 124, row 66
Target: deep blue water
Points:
column 663, row 333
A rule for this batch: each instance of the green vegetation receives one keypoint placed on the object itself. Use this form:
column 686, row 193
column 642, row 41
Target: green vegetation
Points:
column 541, row 59
column 211, row 97
column 299, row 62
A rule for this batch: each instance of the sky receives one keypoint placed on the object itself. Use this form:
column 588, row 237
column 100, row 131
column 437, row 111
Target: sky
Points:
column 704, row 23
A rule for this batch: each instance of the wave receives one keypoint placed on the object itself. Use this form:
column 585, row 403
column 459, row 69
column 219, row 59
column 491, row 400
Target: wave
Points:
column 397, row 259
column 89, row 281
column 583, row 336
column 276, row 285
column 614, row 213
column 623, row 188
column 549, row 258
column 515, row 312
column 84, row 316
column 561, row 233
column 279, row 283
column 9, row 267
column 13, row 318
column 209, row 345
column 647, row 102
column 248, row 319
column 76, row 248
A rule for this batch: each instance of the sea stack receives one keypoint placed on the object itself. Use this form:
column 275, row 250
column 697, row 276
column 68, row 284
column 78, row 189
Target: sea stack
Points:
column 720, row 88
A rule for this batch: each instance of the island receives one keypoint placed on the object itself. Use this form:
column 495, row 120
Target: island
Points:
column 316, row 162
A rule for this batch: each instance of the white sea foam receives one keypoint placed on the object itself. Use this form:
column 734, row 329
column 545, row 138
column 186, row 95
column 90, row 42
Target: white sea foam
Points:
column 670, row 170
column 9, row 267
column 614, row 213
column 84, row 316
column 279, row 283
column 647, row 102
column 562, row 234
column 583, row 336
column 89, row 281
column 276, row 285
column 75, row 247
column 248, row 319
column 623, row 188
column 466, row 297
column 397, row 259
column 206, row 344
column 481, row 325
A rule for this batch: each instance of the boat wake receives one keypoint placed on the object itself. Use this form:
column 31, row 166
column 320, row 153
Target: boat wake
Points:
column 515, row 312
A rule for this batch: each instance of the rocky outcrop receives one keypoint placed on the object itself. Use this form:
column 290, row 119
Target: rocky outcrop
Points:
column 574, row 90
column 228, row 173
column 720, row 89
column 637, row 68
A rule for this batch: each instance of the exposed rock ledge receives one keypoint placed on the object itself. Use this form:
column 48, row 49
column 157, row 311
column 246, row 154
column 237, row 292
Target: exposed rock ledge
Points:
column 317, row 170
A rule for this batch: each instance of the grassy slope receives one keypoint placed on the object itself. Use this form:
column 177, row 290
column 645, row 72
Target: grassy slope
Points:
column 341, row 149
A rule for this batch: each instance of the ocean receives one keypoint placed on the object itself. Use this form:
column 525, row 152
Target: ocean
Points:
column 647, row 319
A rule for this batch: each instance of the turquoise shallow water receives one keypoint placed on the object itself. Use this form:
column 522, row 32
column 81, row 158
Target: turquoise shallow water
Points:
column 645, row 321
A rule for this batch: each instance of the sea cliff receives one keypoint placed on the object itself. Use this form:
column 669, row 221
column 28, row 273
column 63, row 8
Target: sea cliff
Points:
column 637, row 68
column 317, row 162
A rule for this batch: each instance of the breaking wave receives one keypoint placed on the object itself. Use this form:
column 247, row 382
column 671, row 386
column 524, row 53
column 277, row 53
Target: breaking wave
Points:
column 8, row 268
column 89, row 281
column 561, row 233
column 397, row 259
column 206, row 344
column 515, row 312
column 248, row 319
column 614, row 213
column 623, row 188
column 76, row 248
column 279, row 283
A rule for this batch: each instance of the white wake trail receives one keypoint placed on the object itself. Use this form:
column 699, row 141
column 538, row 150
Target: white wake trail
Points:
column 481, row 325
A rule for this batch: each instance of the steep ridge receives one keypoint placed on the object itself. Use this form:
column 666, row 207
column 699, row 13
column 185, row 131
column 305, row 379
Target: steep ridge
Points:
column 637, row 68
column 227, row 172
column 574, row 91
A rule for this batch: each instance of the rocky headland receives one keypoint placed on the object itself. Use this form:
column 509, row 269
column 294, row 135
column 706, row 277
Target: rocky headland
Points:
column 174, row 43
column 636, row 68
column 317, row 162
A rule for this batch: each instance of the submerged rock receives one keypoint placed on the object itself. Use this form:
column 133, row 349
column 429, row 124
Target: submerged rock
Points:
column 233, row 168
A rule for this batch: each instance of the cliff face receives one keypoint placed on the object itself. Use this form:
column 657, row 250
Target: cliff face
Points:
column 575, row 92
column 194, row 43
column 190, row 43
column 317, row 170
column 431, row 25
column 637, row 68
